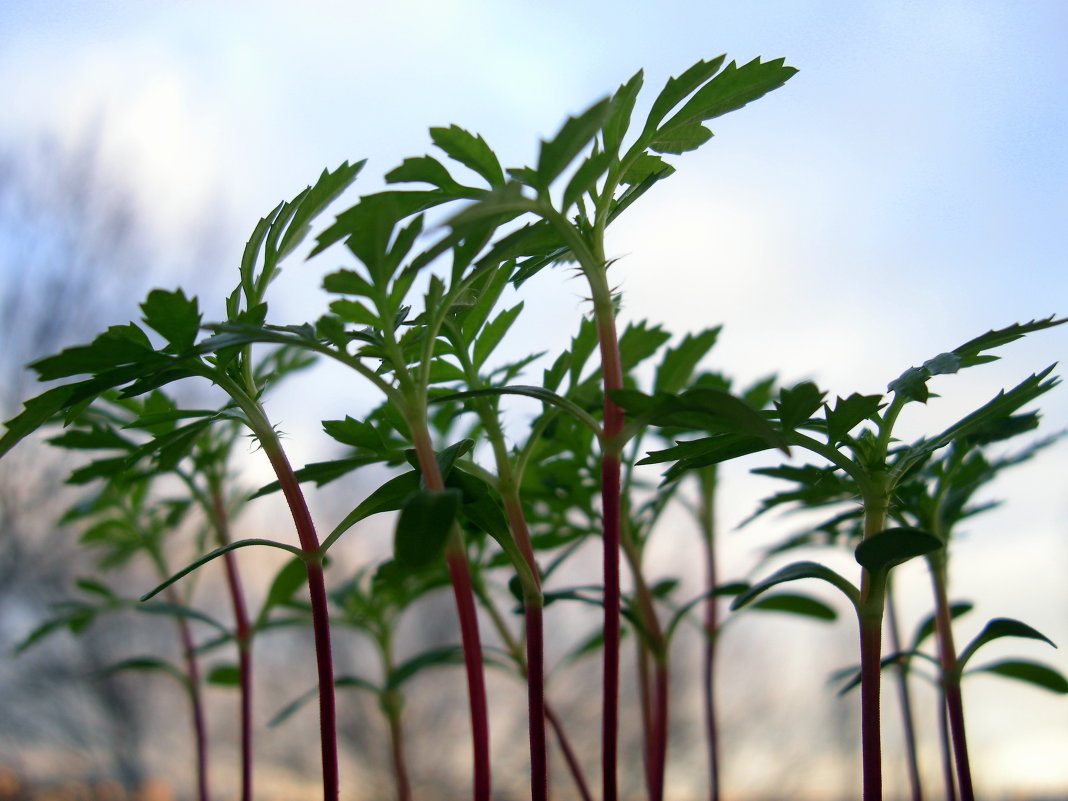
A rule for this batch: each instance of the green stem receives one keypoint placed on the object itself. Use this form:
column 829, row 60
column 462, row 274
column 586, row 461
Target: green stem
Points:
column 707, row 519
column 872, row 604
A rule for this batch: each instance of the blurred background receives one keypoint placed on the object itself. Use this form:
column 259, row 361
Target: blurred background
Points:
column 905, row 192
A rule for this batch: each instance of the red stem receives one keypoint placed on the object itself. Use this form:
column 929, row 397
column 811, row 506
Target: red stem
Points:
column 709, row 666
column 660, row 727
column 569, row 753
column 309, row 543
column 243, row 635
column 463, row 592
column 870, row 677
column 612, row 371
column 196, row 703
column 905, row 699
column 951, row 681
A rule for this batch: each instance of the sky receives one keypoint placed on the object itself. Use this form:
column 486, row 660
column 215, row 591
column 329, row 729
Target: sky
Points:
column 903, row 193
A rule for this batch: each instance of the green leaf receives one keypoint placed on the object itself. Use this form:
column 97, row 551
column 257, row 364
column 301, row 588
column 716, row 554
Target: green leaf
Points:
column 313, row 200
column 215, row 554
column 996, row 629
column 118, row 345
column 971, row 352
column 928, row 625
column 585, row 178
column 424, row 525
column 643, row 167
column 174, row 317
column 437, row 657
column 1029, row 672
column 348, row 282
column 681, row 139
column 793, row 572
column 797, row 404
column 539, row 393
column 677, row 89
column 146, row 663
column 679, row 363
column 427, row 169
column 292, row 576
column 793, row 604
column 575, row 134
column 471, row 151
column 849, row 412
column 226, row 675
column 731, row 90
column 638, row 342
column 176, row 610
column 493, row 333
column 389, row 497
column 892, row 547
column 615, row 127
column 339, row 681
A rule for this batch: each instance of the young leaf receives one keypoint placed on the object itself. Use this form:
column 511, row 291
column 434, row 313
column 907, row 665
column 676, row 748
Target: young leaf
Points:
column 286, row 582
column 799, row 570
column 731, row 90
column 615, row 127
column 493, row 333
column 794, row 604
column 892, row 547
column 174, row 317
column 147, row 663
column 927, row 626
column 387, row 498
column 424, row 525
column 227, row 675
column 575, row 134
column 681, row 139
column 849, row 412
column 997, row 628
column 1029, row 672
column 313, row 200
column 471, row 151
column 797, row 404
column 677, row 89
column 679, row 362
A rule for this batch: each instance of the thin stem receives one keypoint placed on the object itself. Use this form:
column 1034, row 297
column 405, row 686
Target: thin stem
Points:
column 707, row 520
column 243, row 636
column 463, row 593
column 872, row 604
column 196, row 703
column 951, row 676
column 947, row 747
column 905, row 698
column 309, row 543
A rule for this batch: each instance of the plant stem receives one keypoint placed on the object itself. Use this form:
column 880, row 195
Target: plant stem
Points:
column 309, row 543
column 611, row 370
column 243, row 636
column 872, row 604
column 653, row 685
column 905, row 698
column 196, row 703
column 947, row 748
column 707, row 518
column 951, row 675
column 463, row 593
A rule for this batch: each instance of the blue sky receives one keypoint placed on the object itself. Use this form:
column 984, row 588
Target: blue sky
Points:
column 907, row 190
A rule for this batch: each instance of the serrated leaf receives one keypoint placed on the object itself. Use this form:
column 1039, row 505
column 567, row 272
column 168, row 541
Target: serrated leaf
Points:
column 1028, row 672
column 681, row 139
column 425, row 169
column 585, row 178
column 678, row 364
column 539, row 393
column 970, row 352
column 471, row 151
column 848, row 413
column 574, row 135
column 645, row 166
column 118, row 345
column 313, row 200
column 347, row 282
column 731, row 90
column 615, row 127
column 996, row 629
column 423, row 526
column 492, row 334
column 797, row 404
column 793, row 572
column 893, row 546
column 172, row 316
column 677, row 89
